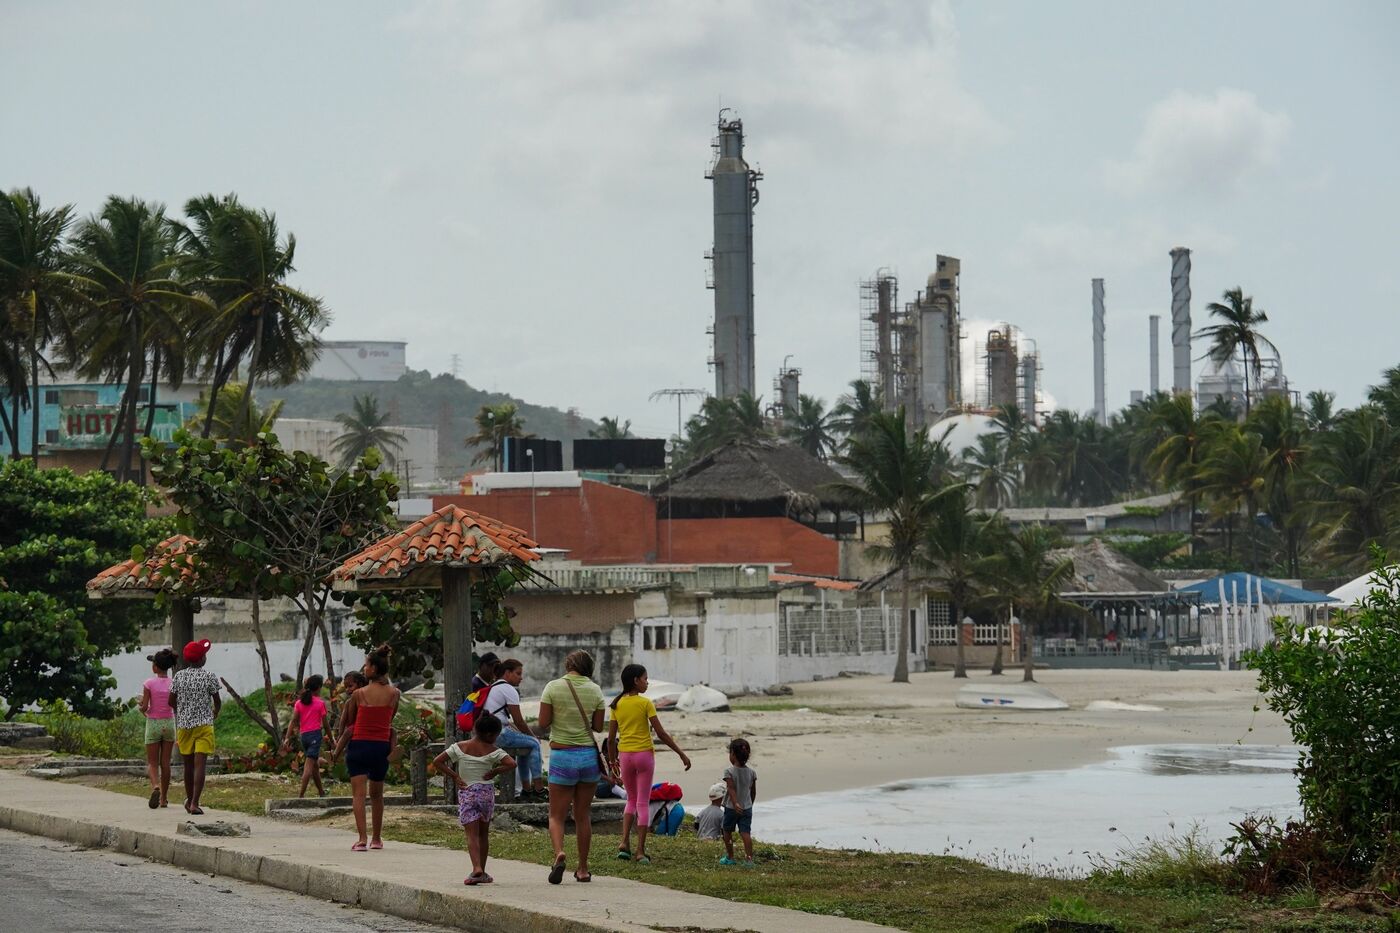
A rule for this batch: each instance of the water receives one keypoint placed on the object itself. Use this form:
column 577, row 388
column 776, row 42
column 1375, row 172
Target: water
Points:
column 237, row 662
column 1049, row 821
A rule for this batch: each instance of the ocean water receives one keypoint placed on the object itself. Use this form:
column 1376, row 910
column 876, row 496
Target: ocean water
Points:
column 1048, row 821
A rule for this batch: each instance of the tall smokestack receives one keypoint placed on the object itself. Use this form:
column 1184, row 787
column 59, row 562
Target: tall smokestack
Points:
column 1100, row 405
column 1181, row 320
column 735, row 194
column 1154, row 355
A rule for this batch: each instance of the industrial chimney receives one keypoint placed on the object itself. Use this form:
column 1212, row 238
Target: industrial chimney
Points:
column 1154, row 354
column 1100, row 405
column 1181, row 320
column 735, row 194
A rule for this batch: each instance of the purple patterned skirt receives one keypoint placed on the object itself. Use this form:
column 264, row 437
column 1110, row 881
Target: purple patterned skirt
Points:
column 476, row 802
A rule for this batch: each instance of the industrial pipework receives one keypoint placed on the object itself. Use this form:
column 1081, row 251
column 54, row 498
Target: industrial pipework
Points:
column 735, row 194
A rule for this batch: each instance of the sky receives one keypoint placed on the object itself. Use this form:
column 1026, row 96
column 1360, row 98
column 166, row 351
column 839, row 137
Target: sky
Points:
column 521, row 184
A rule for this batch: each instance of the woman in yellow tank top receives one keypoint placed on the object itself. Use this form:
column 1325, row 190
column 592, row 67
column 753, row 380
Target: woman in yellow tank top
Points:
column 629, row 741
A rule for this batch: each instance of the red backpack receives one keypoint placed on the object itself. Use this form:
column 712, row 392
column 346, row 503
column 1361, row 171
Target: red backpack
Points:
column 665, row 791
column 473, row 707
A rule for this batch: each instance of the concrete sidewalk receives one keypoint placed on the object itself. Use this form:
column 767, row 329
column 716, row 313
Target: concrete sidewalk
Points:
column 416, row 882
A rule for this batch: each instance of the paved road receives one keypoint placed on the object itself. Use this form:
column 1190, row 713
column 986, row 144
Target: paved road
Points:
column 47, row 885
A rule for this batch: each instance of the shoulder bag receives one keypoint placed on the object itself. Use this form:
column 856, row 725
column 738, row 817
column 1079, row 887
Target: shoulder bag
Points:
column 588, row 725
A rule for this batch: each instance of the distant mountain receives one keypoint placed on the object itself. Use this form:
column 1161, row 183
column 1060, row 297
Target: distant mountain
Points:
column 422, row 399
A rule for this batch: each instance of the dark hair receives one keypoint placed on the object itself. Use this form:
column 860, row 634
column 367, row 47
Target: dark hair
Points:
column 489, row 657
column 509, row 664
column 164, row 659
column 487, row 728
column 354, row 680
column 379, row 660
column 311, row 687
column 630, row 675
column 580, row 662
column 739, row 748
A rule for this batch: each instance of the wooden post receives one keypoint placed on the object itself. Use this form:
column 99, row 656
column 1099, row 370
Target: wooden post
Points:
column 456, row 643
column 181, row 624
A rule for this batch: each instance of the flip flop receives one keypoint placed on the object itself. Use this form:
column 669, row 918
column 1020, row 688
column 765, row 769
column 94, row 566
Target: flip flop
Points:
column 585, row 879
column 485, row 879
column 155, row 800
column 359, row 847
column 376, row 845
column 556, row 873
column 643, row 860
column 623, row 855
column 471, row 879
column 195, row 811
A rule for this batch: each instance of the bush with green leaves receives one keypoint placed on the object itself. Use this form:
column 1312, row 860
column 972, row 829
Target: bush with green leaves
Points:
column 1339, row 691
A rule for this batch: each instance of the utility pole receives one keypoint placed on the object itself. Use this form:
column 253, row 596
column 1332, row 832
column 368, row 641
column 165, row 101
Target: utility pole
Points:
column 406, row 467
column 678, row 394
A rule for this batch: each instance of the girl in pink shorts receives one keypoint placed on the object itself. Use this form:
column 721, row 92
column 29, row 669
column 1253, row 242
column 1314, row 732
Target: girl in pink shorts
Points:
column 629, row 742
column 473, row 765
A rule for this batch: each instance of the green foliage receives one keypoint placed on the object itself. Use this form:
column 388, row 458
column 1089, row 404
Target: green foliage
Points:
column 1336, row 690
column 722, row 421
column 1186, row 863
column 121, row 736
column 57, row 531
column 1150, row 551
column 1068, row 913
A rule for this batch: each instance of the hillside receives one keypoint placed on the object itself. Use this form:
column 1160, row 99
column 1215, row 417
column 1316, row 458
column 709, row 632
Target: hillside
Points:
column 419, row 398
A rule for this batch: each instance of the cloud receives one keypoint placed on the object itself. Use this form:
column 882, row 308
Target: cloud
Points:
column 1201, row 143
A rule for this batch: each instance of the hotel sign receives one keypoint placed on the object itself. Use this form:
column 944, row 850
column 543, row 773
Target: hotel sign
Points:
column 82, row 426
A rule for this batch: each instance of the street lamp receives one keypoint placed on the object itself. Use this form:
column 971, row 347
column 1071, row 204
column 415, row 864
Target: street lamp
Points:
column 670, row 552
column 530, row 454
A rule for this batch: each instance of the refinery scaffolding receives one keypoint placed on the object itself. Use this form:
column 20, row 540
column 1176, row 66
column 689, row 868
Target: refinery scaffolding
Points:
column 881, row 333
column 999, row 375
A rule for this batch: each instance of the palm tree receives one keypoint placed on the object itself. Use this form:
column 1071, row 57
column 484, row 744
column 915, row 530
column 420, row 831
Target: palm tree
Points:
column 124, row 260
column 893, row 469
column 1177, row 458
column 1238, row 333
column 957, row 551
column 1387, row 395
column 1356, row 497
column 1283, row 431
column 854, row 410
column 236, row 421
column 1034, row 581
column 364, row 428
column 1234, row 475
column 1321, row 415
column 495, row 423
column 723, row 421
column 1076, row 447
column 990, row 471
column 237, row 257
column 611, row 429
column 812, row 427
column 36, row 292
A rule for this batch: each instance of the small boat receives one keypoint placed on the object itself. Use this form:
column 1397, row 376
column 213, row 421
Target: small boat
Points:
column 1008, row 696
column 702, row 699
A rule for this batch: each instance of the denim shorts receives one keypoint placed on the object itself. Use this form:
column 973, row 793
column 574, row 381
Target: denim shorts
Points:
column 367, row 758
column 570, row 766
column 311, row 743
column 742, row 820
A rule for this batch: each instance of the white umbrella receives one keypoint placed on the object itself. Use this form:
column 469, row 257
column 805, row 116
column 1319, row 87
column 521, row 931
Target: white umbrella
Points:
column 1350, row 594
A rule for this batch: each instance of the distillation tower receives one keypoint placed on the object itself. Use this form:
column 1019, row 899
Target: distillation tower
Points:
column 735, row 188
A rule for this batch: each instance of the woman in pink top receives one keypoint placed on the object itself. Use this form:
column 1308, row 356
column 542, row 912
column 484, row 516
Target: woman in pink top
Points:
column 160, row 725
column 308, row 714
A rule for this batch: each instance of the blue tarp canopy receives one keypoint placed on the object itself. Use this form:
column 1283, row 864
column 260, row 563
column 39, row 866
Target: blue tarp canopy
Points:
column 1237, row 584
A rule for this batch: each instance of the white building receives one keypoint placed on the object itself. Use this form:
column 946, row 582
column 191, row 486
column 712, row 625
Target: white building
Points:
column 360, row 361
column 416, row 461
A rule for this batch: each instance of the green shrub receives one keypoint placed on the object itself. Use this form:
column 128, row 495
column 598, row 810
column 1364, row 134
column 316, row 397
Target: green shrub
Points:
column 1068, row 913
column 1185, row 863
column 1336, row 689
column 120, row 737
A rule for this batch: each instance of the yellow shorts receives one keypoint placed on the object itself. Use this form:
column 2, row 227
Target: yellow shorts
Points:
column 199, row 740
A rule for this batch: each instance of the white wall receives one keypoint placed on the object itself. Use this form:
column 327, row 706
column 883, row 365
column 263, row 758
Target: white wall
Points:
column 316, row 436
column 360, row 360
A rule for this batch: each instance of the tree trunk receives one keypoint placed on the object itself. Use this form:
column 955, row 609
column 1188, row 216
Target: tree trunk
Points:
column 9, row 430
column 901, row 662
column 268, row 696
column 960, row 664
column 34, row 400
column 221, row 367
column 997, row 658
column 138, row 372
column 116, row 432
column 456, row 643
column 253, row 714
column 1027, row 645
column 326, row 643
column 181, row 625
column 252, row 371
column 14, row 425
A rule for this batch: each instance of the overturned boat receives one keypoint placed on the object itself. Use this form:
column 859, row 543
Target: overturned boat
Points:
column 1007, row 696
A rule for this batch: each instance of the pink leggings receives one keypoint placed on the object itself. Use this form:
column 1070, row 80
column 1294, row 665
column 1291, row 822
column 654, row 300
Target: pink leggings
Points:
column 637, row 771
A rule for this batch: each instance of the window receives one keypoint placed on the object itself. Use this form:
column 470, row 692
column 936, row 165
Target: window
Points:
column 656, row 637
column 143, row 394
column 690, row 635
column 51, row 436
column 50, row 396
column 646, row 637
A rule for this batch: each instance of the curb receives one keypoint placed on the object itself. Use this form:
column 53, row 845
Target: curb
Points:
column 386, row 897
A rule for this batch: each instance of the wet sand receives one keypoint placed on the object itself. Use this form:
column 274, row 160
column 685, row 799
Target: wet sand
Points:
column 878, row 731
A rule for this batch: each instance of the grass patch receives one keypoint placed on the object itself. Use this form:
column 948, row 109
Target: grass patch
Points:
column 780, row 706
column 239, row 793
column 1184, row 863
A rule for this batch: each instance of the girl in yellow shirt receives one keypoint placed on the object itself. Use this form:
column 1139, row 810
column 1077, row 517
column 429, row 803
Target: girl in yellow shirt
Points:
column 629, row 741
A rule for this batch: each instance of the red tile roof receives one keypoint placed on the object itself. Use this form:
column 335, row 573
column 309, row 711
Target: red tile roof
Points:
column 151, row 575
column 450, row 537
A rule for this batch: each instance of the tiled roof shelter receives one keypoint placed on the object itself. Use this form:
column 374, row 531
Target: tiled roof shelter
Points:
column 452, row 537
column 143, row 579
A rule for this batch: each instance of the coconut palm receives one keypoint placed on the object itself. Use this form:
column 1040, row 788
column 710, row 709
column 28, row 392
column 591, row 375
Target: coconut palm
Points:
column 893, row 475
column 36, row 296
column 957, row 552
column 235, row 420
column 495, row 423
column 1177, row 458
column 238, row 258
column 812, row 427
column 1034, row 580
column 1076, row 447
column 854, row 410
column 1321, row 415
column 611, row 429
column 990, row 471
column 1233, row 476
column 1238, row 333
column 1356, row 497
column 1283, row 431
column 723, row 421
column 124, row 260
column 366, row 427
column 1386, row 395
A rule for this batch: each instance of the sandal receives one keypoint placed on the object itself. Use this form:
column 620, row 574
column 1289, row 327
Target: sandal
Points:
column 474, row 878
column 376, row 844
column 359, row 847
column 155, row 800
column 643, row 860
column 195, row 811
column 585, row 879
column 556, row 873
column 485, row 879
column 623, row 855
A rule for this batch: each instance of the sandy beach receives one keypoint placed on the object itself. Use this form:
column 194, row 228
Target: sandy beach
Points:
column 861, row 731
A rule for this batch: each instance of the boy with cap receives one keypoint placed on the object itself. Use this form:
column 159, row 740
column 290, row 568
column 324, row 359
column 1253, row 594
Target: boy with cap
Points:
column 709, row 822
column 194, row 696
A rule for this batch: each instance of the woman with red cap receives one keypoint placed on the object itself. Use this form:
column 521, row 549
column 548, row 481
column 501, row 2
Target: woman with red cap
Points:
column 194, row 697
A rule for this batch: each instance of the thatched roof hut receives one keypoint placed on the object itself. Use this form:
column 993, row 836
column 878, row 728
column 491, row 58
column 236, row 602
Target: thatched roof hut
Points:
column 753, row 479
column 1098, row 568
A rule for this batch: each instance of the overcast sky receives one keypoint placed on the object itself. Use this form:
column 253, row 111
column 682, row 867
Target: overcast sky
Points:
column 522, row 183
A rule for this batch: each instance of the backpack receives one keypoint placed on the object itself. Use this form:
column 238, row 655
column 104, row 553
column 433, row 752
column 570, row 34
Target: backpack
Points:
column 665, row 790
column 473, row 707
